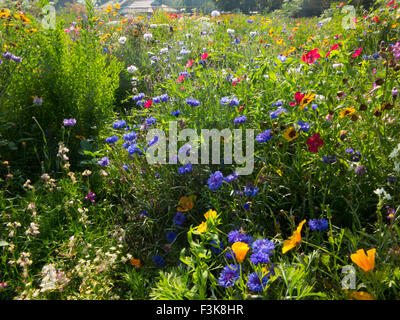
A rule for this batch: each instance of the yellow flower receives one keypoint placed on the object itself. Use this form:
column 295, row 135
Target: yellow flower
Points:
column 360, row 295
column 306, row 100
column 202, row 227
column 186, row 203
column 210, row 214
column 291, row 134
column 346, row 112
column 240, row 249
column 364, row 261
column 294, row 239
column 117, row 6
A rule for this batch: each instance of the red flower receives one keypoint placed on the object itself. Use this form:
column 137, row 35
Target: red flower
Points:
column 376, row 19
column 241, row 108
column 148, row 104
column 311, row 56
column 357, row 52
column 298, row 96
column 180, row 78
column 204, row 56
column 334, row 47
column 314, row 143
column 390, row 3
column 189, row 64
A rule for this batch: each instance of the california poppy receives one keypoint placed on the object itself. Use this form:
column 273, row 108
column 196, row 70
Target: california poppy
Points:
column 291, row 134
column 364, row 261
column 294, row 239
column 240, row 249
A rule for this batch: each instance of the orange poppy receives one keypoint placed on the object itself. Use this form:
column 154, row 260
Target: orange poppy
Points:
column 294, row 239
column 364, row 261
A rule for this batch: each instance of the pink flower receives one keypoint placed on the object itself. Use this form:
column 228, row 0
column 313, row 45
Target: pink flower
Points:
column 189, row 64
column 311, row 56
column 204, row 56
column 148, row 104
column 314, row 143
column 357, row 52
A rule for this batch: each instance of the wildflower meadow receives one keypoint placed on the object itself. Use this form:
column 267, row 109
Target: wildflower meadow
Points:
column 200, row 154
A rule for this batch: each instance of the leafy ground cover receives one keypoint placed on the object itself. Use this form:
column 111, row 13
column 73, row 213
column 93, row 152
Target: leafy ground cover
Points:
column 84, row 215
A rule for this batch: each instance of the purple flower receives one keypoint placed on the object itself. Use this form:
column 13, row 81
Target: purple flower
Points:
column 104, row 162
column 239, row 236
column 179, row 219
column 250, row 191
column 230, row 178
column 185, row 168
column 240, row 119
column 262, row 250
column 171, row 236
column 264, row 136
column 69, row 122
column 318, row 225
column 112, row 139
column 257, row 283
column 229, row 276
column 215, row 180
column 119, row 124
column 158, row 261
column 90, row 196
column 129, row 136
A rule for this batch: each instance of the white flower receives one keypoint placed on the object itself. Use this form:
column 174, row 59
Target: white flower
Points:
column 395, row 152
column 231, row 31
column 397, row 167
column 148, row 36
column 153, row 25
column 215, row 13
column 164, row 50
column 337, row 65
column 131, row 69
column 122, row 40
column 253, row 33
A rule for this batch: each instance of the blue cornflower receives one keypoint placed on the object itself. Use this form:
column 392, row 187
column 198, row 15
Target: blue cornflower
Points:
column 156, row 99
column 230, row 178
column 304, row 126
column 229, row 276
column 185, row 168
column 119, row 124
column 133, row 148
column 314, row 106
column 129, row 136
column 126, row 167
column 250, row 191
column 246, row 206
column 105, row 161
column 262, row 250
column 179, row 219
column 176, row 113
column 264, row 136
column 112, row 139
column 329, row 159
column 240, row 119
column 153, row 141
column 250, row 20
column 158, row 261
column 171, row 236
column 318, row 225
column 164, row 97
column 257, row 283
column 277, row 112
column 215, row 180
column 192, row 102
column 225, row 100
column 239, row 236
column 151, row 120
column 234, row 102
column 282, row 58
